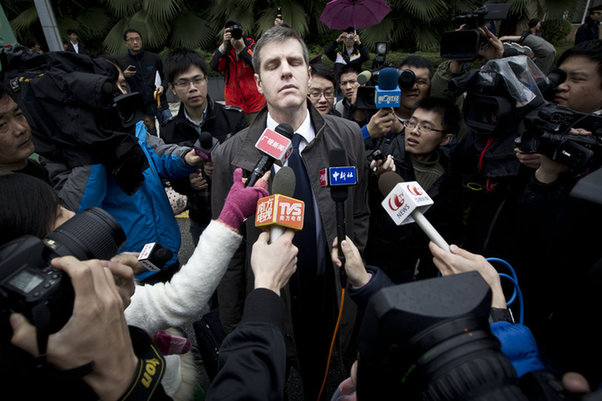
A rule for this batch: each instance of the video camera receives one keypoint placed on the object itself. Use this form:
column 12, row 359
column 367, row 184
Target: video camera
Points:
column 464, row 45
column 29, row 285
column 547, row 131
column 382, row 84
column 506, row 99
column 431, row 340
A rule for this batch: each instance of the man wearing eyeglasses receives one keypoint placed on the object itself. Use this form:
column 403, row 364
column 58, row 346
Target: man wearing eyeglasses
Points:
column 415, row 155
column 186, row 73
column 321, row 89
column 144, row 74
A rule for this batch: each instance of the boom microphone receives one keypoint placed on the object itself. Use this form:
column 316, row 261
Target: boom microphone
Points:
column 277, row 147
column 405, row 201
column 364, row 77
column 280, row 210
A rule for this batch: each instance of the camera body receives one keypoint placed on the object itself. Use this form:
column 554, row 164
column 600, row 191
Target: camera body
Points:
column 236, row 31
column 30, row 286
column 547, row 132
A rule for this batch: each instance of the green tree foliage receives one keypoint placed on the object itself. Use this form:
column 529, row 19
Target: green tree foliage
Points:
column 555, row 30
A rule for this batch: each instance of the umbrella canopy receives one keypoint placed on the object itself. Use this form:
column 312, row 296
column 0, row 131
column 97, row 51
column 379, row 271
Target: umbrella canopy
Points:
column 341, row 14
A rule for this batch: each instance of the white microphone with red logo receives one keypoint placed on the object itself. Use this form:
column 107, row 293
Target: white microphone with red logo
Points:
column 280, row 210
column 405, row 202
column 276, row 146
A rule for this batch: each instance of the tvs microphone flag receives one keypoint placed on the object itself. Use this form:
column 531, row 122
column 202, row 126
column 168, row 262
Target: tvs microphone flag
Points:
column 280, row 210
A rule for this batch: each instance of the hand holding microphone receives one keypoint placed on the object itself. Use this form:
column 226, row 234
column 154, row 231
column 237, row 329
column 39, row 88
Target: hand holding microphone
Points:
column 274, row 260
column 241, row 201
column 276, row 147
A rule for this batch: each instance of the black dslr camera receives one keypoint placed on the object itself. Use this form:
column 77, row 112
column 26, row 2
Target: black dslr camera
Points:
column 236, row 31
column 29, row 285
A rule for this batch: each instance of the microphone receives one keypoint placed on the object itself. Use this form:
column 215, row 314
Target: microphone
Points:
column 276, row 146
column 280, row 210
column 405, row 202
column 205, row 145
column 364, row 77
column 387, row 93
column 339, row 177
column 154, row 257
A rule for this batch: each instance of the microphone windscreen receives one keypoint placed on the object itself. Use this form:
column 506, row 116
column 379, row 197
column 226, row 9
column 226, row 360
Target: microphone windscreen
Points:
column 162, row 256
column 337, row 157
column 387, row 182
column 284, row 182
column 285, row 130
column 364, row 77
column 206, row 140
column 387, row 78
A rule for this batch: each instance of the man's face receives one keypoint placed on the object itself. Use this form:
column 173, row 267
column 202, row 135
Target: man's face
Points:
column 581, row 91
column 73, row 37
column 422, row 141
column 348, row 84
column 121, row 82
column 419, row 91
column 15, row 135
column 596, row 15
column 283, row 75
column 191, row 87
column 133, row 41
column 321, row 94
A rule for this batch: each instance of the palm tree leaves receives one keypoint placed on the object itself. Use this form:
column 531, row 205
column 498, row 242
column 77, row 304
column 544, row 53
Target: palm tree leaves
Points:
column 25, row 19
column 162, row 10
column 191, row 31
column 425, row 11
column 123, row 8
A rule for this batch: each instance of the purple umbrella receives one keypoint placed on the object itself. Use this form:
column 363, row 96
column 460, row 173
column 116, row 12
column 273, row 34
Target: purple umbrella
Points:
column 341, row 14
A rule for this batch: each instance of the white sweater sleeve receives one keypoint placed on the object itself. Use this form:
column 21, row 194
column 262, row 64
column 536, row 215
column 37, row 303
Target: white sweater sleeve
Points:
column 172, row 304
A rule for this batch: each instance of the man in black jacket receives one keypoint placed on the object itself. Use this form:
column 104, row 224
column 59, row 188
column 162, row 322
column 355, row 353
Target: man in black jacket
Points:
column 144, row 74
column 187, row 78
column 591, row 27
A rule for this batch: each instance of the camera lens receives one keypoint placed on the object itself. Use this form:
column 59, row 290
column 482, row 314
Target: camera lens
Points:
column 91, row 234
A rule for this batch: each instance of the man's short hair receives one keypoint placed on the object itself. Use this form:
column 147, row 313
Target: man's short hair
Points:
column 591, row 49
column 130, row 30
column 347, row 68
column 70, row 31
column 349, row 29
column 418, row 62
column 277, row 34
column 449, row 112
column 115, row 60
column 320, row 70
column 179, row 61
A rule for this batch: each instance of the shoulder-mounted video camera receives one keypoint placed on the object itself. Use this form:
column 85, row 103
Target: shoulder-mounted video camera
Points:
column 547, row 131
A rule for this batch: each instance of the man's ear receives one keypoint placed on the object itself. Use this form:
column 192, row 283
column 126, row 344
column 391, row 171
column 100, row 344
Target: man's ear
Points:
column 173, row 90
column 258, row 83
column 447, row 138
column 309, row 75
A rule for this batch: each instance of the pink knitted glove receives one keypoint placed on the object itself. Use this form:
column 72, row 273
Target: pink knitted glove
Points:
column 241, row 201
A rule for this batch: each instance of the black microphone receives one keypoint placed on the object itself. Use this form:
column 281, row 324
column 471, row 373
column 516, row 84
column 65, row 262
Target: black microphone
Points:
column 205, row 145
column 276, row 146
column 154, row 257
column 339, row 194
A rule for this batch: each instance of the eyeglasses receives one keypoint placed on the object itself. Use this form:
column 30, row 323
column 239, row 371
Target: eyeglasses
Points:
column 185, row 83
column 316, row 94
column 423, row 127
column 133, row 40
